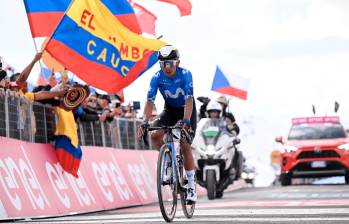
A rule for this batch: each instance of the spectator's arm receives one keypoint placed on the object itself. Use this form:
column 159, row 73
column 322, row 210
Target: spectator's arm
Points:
column 26, row 72
column 48, row 95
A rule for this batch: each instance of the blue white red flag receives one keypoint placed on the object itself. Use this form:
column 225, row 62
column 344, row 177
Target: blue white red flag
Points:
column 230, row 84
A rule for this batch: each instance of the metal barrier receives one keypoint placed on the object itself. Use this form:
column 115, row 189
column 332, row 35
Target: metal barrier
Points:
column 36, row 122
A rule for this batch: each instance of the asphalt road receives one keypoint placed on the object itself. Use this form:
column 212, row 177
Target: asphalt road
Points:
column 294, row 204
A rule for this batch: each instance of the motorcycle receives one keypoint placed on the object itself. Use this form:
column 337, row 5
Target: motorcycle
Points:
column 217, row 159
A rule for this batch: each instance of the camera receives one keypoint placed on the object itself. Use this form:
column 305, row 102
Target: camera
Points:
column 136, row 105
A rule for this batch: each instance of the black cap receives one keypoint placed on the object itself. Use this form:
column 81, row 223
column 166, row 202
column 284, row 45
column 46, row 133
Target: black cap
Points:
column 104, row 97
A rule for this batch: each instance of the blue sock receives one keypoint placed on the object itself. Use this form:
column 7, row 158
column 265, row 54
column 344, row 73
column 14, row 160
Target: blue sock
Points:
column 191, row 178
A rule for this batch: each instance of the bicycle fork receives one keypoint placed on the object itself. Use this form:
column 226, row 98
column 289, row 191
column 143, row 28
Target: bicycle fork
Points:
column 173, row 160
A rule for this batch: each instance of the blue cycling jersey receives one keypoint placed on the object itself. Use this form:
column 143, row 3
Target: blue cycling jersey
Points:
column 175, row 90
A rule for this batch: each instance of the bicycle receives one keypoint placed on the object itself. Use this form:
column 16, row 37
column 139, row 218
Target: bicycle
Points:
column 170, row 174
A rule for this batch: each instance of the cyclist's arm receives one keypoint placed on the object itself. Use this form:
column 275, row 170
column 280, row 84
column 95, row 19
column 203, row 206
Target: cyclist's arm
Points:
column 188, row 108
column 148, row 109
column 149, row 104
column 189, row 99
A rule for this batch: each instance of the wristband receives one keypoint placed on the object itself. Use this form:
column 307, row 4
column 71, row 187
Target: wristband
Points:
column 186, row 121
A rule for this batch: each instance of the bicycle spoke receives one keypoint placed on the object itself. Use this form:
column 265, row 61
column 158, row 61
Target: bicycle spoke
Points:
column 167, row 190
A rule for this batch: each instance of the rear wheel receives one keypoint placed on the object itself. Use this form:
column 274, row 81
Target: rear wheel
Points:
column 166, row 186
column 211, row 184
column 219, row 194
column 285, row 179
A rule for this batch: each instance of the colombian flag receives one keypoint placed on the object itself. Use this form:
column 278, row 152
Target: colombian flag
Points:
column 44, row 15
column 93, row 44
column 68, row 156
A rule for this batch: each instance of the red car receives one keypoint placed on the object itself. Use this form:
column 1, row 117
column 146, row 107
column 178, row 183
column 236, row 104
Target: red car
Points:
column 315, row 147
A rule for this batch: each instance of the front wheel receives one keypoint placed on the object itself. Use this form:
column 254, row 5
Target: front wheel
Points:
column 167, row 184
column 211, row 184
column 188, row 209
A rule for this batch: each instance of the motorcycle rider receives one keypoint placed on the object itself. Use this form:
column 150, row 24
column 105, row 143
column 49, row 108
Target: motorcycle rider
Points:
column 214, row 109
column 229, row 117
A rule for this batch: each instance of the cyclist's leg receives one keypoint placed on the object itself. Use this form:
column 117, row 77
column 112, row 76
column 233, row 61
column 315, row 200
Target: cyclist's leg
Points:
column 189, row 160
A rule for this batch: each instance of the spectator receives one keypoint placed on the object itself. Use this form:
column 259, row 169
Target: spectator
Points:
column 129, row 111
column 117, row 111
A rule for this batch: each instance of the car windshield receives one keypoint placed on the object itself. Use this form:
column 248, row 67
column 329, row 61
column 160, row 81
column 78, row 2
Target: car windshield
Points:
column 318, row 131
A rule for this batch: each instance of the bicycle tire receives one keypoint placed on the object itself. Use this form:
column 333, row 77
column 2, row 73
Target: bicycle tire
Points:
column 188, row 210
column 168, row 216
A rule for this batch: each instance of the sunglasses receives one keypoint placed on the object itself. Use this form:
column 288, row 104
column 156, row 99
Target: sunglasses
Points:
column 169, row 63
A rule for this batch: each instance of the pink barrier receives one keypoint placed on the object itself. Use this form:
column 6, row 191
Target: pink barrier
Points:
column 32, row 184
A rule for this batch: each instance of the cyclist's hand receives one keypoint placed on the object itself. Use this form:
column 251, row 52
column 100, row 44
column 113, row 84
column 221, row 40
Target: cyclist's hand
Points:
column 141, row 129
column 185, row 124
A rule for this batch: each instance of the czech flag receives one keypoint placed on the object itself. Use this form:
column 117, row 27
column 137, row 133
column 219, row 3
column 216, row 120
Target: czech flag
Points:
column 95, row 46
column 67, row 155
column 44, row 15
column 231, row 84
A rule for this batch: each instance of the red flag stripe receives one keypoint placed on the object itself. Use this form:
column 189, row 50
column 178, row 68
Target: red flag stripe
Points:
column 242, row 94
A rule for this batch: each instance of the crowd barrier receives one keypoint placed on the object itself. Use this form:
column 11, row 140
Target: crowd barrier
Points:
column 35, row 122
column 32, row 183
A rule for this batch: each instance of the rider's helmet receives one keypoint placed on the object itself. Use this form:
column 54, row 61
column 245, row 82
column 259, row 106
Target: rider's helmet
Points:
column 214, row 106
column 168, row 52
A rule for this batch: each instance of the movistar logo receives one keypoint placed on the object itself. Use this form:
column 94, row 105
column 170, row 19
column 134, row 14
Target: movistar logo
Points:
column 174, row 96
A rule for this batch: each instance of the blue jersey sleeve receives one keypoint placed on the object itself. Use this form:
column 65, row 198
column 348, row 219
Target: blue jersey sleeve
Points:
column 188, row 84
column 153, row 89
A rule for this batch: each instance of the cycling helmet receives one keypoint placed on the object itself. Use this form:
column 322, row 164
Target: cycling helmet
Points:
column 214, row 106
column 168, row 52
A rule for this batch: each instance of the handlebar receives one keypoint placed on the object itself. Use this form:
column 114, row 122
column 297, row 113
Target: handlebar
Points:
column 184, row 132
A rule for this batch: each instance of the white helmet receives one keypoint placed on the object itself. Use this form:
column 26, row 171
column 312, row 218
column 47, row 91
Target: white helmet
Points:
column 214, row 106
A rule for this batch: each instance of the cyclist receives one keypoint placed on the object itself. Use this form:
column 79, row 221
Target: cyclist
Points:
column 176, row 86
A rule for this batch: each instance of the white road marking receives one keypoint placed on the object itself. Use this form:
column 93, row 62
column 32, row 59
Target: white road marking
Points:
column 219, row 215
